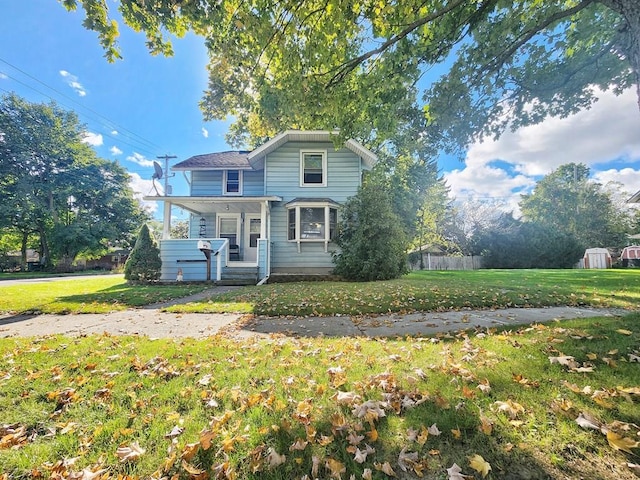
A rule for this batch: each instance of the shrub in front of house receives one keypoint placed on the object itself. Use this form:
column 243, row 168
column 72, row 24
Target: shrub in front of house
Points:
column 144, row 264
column 371, row 238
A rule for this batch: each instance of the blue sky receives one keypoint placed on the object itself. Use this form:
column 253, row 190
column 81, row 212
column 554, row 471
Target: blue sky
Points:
column 142, row 107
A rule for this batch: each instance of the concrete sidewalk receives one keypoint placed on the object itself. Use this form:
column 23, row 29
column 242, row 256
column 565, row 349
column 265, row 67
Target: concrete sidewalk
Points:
column 425, row 324
column 156, row 324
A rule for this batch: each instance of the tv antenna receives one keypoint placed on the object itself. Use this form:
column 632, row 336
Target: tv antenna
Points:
column 159, row 174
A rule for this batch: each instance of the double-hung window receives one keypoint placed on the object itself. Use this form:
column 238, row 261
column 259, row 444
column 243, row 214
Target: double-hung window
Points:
column 232, row 183
column 313, row 168
column 312, row 221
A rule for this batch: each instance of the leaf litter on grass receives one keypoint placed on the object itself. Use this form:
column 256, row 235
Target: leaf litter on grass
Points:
column 319, row 408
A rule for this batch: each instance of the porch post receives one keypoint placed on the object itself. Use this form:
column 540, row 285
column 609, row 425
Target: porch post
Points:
column 166, row 223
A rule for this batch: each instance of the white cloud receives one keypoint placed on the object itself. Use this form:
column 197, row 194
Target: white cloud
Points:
column 3, row 76
column 115, row 150
column 73, row 82
column 606, row 133
column 140, row 159
column 142, row 188
column 205, row 132
column 628, row 177
column 114, row 132
column 93, row 139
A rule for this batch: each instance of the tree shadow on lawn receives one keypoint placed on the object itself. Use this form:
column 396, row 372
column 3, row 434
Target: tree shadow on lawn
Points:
column 125, row 296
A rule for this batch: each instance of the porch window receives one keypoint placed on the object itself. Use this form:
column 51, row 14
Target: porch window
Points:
column 316, row 222
column 232, row 184
column 313, row 169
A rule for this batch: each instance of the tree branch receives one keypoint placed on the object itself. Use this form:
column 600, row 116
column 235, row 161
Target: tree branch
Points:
column 499, row 60
column 344, row 69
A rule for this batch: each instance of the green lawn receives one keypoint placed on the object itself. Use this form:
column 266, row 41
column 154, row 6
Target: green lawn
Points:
column 434, row 291
column 87, row 295
column 105, row 407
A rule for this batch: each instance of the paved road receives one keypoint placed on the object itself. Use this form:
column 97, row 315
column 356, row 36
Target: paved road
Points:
column 9, row 282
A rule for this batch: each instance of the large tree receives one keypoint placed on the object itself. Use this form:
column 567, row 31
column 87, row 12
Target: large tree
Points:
column 54, row 187
column 567, row 201
column 359, row 65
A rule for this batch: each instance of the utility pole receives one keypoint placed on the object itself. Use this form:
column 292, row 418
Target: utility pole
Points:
column 166, row 159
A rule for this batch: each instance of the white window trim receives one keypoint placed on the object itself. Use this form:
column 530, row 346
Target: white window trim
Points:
column 327, row 222
column 324, row 168
column 224, row 183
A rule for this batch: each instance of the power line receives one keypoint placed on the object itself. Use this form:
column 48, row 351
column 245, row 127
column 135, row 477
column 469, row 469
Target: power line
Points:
column 110, row 123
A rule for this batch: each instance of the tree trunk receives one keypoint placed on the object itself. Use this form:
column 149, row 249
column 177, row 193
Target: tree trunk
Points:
column 23, row 251
column 629, row 39
column 45, row 255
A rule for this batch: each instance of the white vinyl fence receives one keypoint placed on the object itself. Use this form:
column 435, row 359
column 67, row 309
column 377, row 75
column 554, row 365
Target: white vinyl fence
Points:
column 439, row 262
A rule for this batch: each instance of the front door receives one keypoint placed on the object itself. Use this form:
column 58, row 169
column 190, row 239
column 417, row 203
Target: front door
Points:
column 229, row 228
column 251, row 235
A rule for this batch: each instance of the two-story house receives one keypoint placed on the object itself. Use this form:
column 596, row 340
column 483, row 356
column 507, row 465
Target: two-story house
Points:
column 271, row 210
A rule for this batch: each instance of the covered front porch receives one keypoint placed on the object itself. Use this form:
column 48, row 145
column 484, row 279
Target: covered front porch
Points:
column 237, row 228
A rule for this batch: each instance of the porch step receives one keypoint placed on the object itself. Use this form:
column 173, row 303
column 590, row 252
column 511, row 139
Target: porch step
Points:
column 239, row 276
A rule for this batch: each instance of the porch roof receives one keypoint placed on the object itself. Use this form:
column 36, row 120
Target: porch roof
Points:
column 203, row 205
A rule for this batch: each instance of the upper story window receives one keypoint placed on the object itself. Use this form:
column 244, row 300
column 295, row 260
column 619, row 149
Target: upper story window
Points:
column 313, row 168
column 232, row 184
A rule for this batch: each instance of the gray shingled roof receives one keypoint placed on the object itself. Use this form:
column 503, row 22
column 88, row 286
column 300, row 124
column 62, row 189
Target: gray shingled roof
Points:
column 216, row 161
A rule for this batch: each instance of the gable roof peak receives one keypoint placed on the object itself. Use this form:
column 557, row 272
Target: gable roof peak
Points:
column 257, row 156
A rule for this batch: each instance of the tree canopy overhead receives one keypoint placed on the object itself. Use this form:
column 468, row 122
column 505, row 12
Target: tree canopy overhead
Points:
column 361, row 65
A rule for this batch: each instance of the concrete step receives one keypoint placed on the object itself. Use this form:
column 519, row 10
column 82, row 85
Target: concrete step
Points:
column 239, row 276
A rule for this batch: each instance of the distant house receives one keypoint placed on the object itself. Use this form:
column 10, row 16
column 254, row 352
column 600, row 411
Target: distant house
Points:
column 256, row 213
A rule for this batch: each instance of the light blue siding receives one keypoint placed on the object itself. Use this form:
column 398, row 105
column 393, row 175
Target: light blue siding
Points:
column 206, row 183
column 184, row 254
column 283, row 179
column 283, row 173
column 209, row 183
column 210, row 225
column 252, row 183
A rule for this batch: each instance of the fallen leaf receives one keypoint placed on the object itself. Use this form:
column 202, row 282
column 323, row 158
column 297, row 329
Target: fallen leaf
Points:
column 335, row 467
column 385, row 468
column 274, row 459
column 619, row 442
column 486, row 425
column 480, row 465
column 624, row 332
column 131, row 453
column 511, row 408
column 585, row 420
column 407, row 460
column 455, row 472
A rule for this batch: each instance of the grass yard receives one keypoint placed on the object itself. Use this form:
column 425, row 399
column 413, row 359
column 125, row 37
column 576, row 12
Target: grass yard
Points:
column 434, row 291
column 556, row 401
column 87, row 295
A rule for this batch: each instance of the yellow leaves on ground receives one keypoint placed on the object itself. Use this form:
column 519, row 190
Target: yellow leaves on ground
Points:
column 480, row 465
column 619, row 442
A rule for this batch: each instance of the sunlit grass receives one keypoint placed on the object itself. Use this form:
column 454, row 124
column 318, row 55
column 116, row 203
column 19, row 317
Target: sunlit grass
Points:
column 87, row 295
column 235, row 407
column 434, row 291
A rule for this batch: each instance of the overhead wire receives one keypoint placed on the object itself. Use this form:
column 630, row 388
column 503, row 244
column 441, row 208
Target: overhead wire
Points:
column 143, row 145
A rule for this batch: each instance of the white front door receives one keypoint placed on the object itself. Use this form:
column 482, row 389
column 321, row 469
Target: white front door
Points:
column 251, row 235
